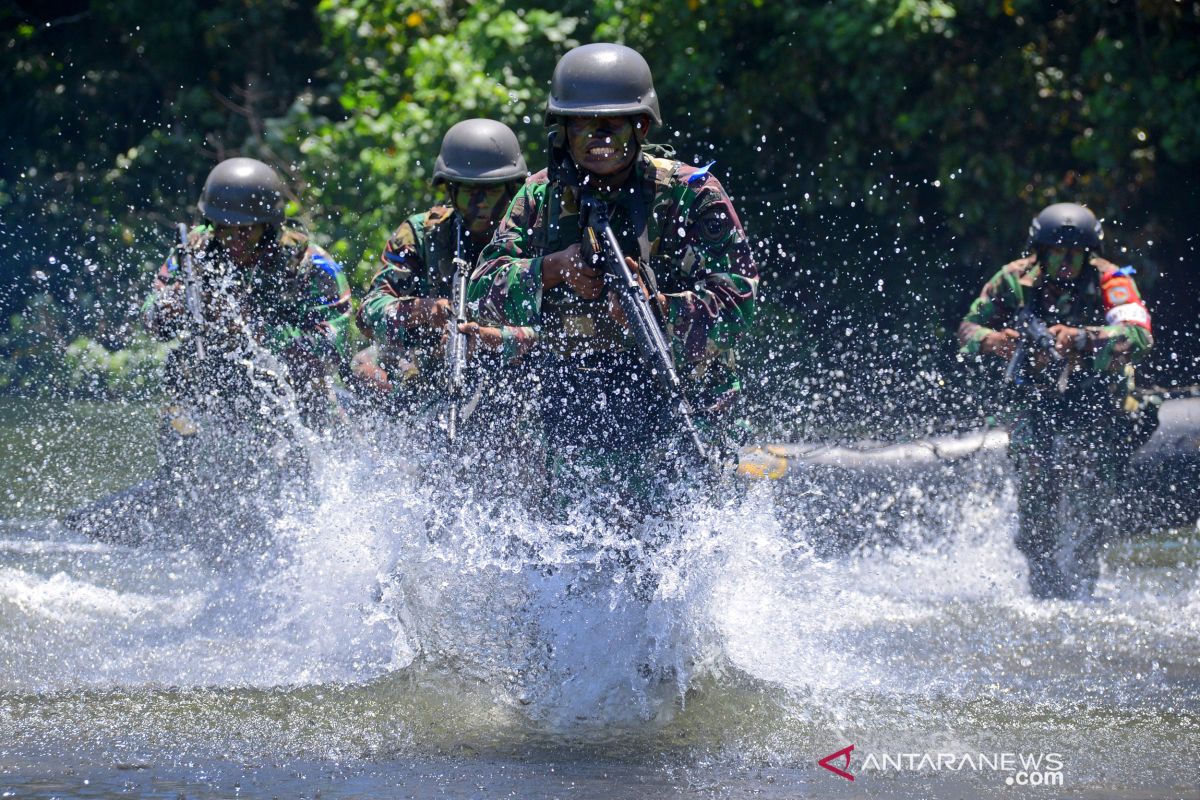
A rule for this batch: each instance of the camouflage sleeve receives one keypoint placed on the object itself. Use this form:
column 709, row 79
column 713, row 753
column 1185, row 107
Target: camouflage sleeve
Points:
column 1000, row 298
column 517, row 340
column 1126, row 336
column 506, row 286
column 324, row 329
column 399, row 282
column 715, row 253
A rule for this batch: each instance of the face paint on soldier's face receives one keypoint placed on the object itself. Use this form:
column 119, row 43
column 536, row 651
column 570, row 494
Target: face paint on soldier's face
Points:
column 481, row 205
column 603, row 146
column 240, row 241
column 1064, row 263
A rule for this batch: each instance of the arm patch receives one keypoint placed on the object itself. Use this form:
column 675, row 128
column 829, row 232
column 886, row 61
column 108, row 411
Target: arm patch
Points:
column 714, row 226
column 1131, row 313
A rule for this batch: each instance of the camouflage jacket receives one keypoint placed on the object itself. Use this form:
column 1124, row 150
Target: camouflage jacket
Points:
column 1105, row 303
column 418, row 262
column 699, row 257
column 293, row 298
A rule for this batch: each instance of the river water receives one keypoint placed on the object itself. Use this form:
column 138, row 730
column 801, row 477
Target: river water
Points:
column 392, row 640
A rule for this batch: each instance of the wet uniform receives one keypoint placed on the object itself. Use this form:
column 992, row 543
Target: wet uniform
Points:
column 290, row 307
column 418, row 262
column 605, row 419
column 240, row 382
column 1062, row 440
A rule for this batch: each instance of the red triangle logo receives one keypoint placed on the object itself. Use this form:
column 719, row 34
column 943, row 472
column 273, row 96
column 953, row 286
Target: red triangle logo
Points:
column 842, row 771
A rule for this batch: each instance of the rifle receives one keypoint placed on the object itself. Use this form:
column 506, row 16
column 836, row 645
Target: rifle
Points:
column 191, row 290
column 1034, row 332
column 456, row 341
column 601, row 242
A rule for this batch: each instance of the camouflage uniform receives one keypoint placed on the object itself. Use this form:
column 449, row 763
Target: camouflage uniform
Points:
column 418, row 262
column 1062, row 441
column 292, row 304
column 603, row 413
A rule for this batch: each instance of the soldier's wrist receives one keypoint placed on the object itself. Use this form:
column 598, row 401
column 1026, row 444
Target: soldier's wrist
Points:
column 550, row 269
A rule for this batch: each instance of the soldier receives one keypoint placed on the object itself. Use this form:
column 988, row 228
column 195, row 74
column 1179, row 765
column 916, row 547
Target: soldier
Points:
column 1070, row 431
column 406, row 311
column 267, row 294
column 262, row 315
column 605, row 418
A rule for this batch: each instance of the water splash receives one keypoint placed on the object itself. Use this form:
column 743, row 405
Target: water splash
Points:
column 400, row 610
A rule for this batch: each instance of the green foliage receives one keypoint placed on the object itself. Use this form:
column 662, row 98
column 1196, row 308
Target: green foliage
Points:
column 405, row 73
column 91, row 369
column 884, row 154
column 114, row 115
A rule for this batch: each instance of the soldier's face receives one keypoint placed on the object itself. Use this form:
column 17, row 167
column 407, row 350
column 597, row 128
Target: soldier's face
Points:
column 1064, row 263
column 603, row 146
column 240, row 241
column 481, row 205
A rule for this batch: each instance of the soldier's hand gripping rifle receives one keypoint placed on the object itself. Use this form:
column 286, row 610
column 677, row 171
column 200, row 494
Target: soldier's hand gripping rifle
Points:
column 191, row 291
column 456, row 340
column 1034, row 334
column 602, row 243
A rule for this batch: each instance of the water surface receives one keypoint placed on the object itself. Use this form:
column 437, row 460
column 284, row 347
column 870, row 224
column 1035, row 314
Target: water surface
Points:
column 397, row 639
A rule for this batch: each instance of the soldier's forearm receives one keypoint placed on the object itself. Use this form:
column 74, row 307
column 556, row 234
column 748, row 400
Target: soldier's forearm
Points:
column 516, row 341
column 972, row 337
column 1114, row 346
column 413, row 312
column 163, row 313
column 507, row 289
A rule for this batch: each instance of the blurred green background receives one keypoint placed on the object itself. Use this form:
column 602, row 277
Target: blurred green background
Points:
column 885, row 155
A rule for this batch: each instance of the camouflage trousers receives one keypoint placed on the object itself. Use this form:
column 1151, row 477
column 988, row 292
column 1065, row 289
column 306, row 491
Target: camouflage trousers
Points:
column 1071, row 457
column 608, row 435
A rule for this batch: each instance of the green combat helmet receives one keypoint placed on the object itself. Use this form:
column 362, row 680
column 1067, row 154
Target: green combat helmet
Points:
column 242, row 191
column 1066, row 225
column 602, row 80
column 479, row 151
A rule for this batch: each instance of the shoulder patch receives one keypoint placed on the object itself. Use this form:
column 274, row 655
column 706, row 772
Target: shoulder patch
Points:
column 714, row 225
column 324, row 263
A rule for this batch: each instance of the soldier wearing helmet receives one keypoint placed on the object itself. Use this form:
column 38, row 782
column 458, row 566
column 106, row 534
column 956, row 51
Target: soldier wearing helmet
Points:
column 261, row 316
column 1069, row 434
column 480, row 168
column 267, row 291
column 604, row 416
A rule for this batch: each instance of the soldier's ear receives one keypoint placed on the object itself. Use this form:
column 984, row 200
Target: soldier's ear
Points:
column 641, row 127
column 558, row 135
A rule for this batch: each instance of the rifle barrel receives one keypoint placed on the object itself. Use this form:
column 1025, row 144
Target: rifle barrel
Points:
column 191, row 290
column 651, row 341
column 456, row 340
